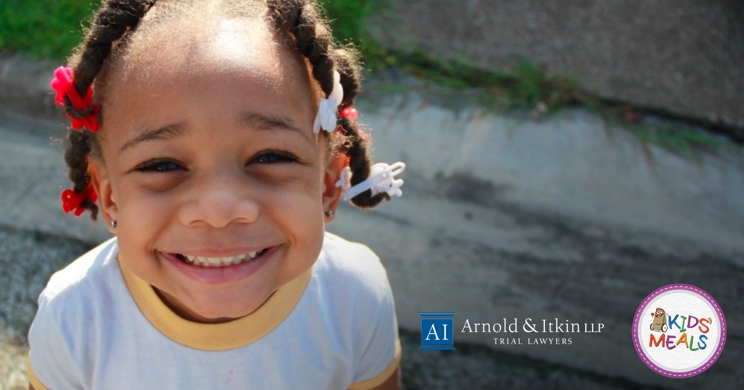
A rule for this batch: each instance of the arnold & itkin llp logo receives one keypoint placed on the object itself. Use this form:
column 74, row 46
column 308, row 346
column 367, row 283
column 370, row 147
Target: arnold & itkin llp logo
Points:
column 437, row 331
column 679, row 331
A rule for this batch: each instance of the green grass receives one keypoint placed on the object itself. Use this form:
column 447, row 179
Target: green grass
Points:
column 350, row 20
column 42, row 28
column 679, row 139
column 525, row 86
column 51, row 28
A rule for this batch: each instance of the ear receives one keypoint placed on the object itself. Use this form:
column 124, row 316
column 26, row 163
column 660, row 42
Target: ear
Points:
column 331, row 193
column 99, row 179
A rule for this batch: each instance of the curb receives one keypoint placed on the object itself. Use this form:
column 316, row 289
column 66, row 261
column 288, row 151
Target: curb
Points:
column 24, row 86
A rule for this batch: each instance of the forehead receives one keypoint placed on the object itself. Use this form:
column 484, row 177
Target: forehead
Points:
column 183, row 49
column 231, row 65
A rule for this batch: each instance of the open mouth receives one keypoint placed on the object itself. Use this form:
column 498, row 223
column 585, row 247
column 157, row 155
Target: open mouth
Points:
column 217, row 262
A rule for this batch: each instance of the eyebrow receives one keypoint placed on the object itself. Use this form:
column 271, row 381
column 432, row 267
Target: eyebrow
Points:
column 248, row 120
column 257, row 121
column 167, row 132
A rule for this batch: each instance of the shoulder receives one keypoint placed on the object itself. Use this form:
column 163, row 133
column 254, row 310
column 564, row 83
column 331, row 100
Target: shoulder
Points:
column 354, row 279
column 350, row 282
column 87, row 272
column 64, row 331
column 353, row 265
column 74, row 293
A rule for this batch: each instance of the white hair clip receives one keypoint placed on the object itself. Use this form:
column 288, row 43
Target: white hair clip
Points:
column 326, row 117
column 381, row 179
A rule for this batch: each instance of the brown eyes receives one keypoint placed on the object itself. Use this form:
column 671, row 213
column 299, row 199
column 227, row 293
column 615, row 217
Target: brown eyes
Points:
column 158, row 166
column 266, row 157
column 274, row 156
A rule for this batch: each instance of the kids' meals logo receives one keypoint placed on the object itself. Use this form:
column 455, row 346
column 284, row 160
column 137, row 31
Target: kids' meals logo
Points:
column 679, row 331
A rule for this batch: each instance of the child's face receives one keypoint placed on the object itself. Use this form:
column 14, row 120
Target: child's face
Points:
column 214, row 156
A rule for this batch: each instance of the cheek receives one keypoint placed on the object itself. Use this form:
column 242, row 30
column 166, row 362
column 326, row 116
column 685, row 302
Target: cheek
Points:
column 300, row 201
column 298, row 207
column 142, row 212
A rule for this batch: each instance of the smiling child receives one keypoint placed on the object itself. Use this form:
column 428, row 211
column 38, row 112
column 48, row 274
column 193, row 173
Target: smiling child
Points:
column 216, row 139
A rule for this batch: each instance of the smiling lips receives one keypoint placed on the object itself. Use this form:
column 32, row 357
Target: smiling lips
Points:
column 217, row 262
column 215, row 270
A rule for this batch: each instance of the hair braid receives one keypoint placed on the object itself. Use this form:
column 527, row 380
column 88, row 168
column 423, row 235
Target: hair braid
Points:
column 358, row 146
column 348, row 68
column 360, row 161
column 76, row 157
column 112, row 21
column 301, row 19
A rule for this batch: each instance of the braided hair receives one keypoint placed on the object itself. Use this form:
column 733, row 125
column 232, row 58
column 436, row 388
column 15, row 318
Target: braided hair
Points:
column 295, row 22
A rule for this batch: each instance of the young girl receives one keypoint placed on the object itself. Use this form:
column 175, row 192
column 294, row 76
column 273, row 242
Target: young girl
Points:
column 216, row 137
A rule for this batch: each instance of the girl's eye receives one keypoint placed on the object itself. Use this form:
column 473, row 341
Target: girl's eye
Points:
column 272, row 156
column 158, row 166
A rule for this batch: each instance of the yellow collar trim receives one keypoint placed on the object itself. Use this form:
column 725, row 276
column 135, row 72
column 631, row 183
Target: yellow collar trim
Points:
column 216, row 337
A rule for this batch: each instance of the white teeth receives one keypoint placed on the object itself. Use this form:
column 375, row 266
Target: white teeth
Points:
column 221, row 261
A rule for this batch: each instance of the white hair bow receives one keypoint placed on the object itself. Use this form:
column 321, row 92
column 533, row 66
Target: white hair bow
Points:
column 381, row 179
column 326, row 117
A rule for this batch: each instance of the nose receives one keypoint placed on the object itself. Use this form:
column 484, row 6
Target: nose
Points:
column 219, row 198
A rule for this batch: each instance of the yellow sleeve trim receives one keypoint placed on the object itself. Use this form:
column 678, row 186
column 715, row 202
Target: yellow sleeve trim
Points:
column 384, row 375
column 32, row 379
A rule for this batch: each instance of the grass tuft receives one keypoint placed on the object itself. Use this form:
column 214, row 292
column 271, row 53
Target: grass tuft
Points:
column 43, row 28
column 350, row 21
column 526, row 86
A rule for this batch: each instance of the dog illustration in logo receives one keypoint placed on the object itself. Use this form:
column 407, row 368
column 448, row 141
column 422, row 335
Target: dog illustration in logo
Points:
column 660, row 321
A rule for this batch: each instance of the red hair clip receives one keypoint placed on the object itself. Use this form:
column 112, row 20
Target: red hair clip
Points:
column 63, row 85
column 350, row 113
column 72, row 200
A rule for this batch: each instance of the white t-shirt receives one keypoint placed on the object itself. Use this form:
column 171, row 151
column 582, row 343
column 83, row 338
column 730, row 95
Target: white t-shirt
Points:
column 100, row 327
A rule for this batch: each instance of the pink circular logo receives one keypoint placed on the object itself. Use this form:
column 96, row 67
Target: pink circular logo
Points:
column 679, row 331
